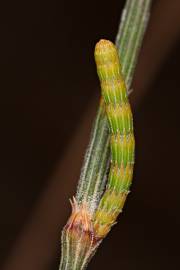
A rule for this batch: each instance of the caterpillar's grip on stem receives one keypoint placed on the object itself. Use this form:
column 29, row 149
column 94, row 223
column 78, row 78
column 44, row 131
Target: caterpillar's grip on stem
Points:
column 85, row 228
column 122, row 143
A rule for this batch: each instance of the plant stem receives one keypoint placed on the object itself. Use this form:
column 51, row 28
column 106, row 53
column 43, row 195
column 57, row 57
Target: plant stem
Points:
column 78, row 242
column 96, row 163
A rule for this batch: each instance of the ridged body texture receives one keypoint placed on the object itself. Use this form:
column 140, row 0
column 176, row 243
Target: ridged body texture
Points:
column 114, row 95
column 87, row 226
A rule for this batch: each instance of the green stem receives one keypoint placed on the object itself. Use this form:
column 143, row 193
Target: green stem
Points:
column 130, row 35
column 93, row 173
column 78, row 242
column 129, row 39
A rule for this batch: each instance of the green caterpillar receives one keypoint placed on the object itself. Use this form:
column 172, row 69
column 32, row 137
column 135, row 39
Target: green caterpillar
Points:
column 114, row 96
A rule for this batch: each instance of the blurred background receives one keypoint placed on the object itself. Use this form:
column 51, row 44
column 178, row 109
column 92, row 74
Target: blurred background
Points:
column 49, row 97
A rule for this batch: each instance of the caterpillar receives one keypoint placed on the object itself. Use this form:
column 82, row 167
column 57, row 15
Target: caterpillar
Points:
column 122, row 143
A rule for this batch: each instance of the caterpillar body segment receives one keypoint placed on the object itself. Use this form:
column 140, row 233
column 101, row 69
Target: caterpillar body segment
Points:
column 122, row 144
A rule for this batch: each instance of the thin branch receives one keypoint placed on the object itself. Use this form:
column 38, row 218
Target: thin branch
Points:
column 131, row 31
column 78, row 242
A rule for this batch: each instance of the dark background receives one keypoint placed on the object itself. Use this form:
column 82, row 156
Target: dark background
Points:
column 49, row 95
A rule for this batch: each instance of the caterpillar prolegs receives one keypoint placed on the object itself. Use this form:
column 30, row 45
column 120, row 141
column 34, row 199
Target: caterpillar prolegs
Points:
column 122, row 144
